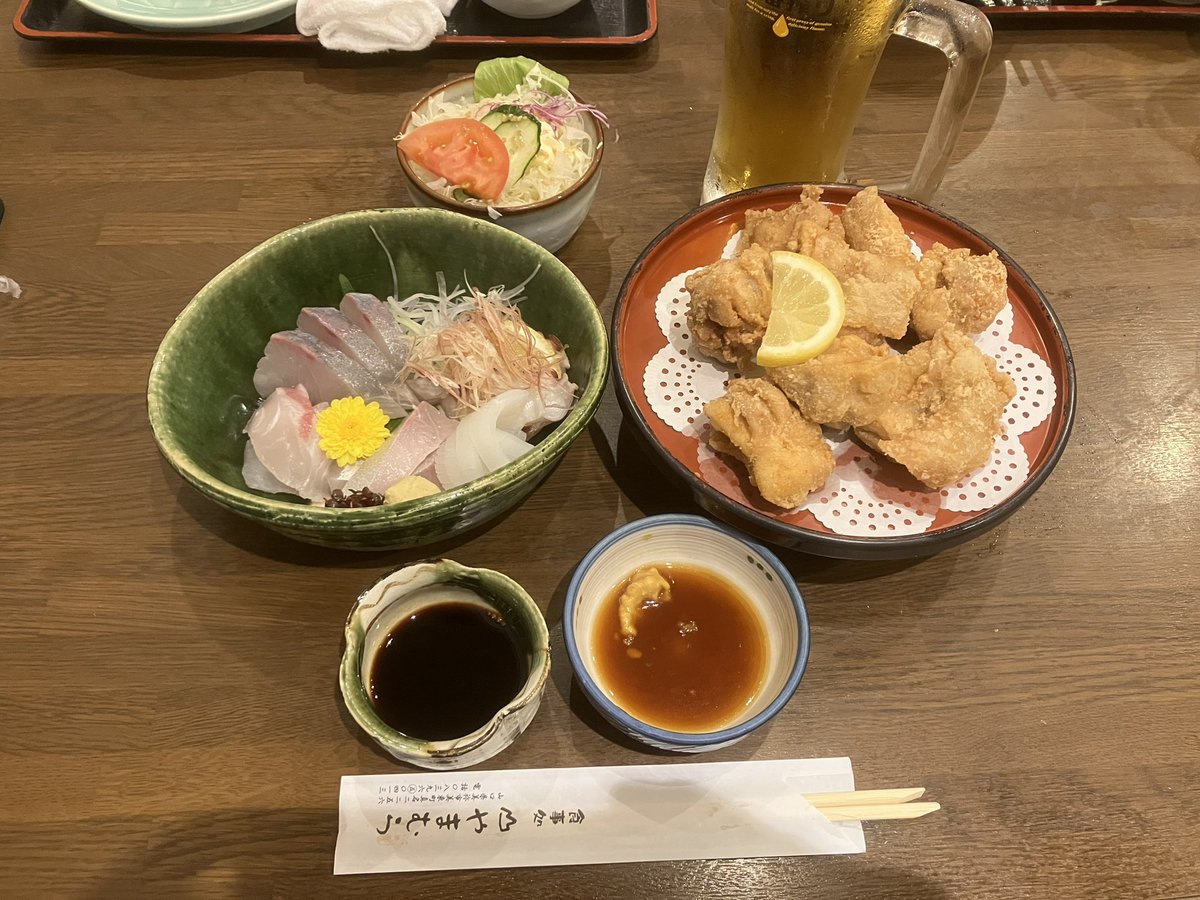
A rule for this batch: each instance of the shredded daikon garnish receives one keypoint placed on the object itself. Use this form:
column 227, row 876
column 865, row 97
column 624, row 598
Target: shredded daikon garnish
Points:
column 474, row 345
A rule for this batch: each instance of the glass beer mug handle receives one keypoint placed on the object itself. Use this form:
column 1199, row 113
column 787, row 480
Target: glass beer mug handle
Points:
column 965, row 36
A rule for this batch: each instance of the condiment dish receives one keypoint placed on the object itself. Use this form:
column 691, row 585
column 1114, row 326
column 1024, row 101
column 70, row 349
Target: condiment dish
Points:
column 550, row 222
column 693, row 541
column 409, row 590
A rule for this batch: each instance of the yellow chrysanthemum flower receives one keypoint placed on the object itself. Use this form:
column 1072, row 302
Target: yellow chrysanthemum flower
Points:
column 351, row 429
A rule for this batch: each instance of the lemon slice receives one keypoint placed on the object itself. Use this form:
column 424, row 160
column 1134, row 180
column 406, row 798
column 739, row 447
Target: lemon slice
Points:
column 807, row 309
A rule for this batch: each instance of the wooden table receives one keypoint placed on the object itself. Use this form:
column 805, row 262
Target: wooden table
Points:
column 169, row 720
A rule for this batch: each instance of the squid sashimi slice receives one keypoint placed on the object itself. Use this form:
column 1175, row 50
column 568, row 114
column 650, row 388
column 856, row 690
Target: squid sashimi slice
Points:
column 298, row 358
column 283, row 434
column 457, row 462
column 500, row 448
column 330, row 326
column 407, row 450
column 486, row 439
column 374, row 317
column 513, row 410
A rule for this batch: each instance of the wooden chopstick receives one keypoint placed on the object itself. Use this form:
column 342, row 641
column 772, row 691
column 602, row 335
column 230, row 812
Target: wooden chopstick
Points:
column 858, row 798
column 868, row 813
column 872, row 806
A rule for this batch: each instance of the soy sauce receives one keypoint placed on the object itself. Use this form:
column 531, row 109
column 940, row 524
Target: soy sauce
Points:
column 698, row 660
column 445, row 670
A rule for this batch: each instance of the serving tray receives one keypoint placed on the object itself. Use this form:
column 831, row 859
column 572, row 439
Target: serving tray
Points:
column 1087, row 14
column 589, row 23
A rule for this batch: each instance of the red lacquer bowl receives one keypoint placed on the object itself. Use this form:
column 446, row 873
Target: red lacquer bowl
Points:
column 698, row 239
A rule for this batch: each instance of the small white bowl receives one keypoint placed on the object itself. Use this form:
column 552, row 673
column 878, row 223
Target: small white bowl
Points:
column 692, row 541
column 531, row 9
column 398, row 596
column 550, row 222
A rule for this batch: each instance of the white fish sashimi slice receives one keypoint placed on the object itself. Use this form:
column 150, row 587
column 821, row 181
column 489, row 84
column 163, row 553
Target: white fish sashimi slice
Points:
column 557, row 394
column 327, row 324
column 283, row 435
column 526, row 412
column 297, row 358
column 408, row 449
column 372, row 315
column 257, row 477
column 428, row 471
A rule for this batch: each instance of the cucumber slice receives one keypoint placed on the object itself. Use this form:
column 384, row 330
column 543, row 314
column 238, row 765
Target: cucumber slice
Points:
column 506, row 111
column 521, row 133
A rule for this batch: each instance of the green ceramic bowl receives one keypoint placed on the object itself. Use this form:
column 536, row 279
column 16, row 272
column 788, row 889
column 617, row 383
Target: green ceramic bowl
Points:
column 397, row 596
column 201, row 391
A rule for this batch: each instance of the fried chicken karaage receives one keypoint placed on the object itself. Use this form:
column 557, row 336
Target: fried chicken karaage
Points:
column 958, row 290
column 936, row 410
column 943, row 423
column 794, row 228
column 730, row 305
column 872, row 227
column 785, row 454
column 879, row 282
column 851, row 383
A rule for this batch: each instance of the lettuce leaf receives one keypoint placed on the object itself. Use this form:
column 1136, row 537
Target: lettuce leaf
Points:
column 498, row 77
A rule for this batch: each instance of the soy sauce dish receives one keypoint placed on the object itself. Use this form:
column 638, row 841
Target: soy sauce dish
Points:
column 684, row 635
column 444, row 665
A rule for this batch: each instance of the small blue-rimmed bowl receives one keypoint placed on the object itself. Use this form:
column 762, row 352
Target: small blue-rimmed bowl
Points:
column 696, row 542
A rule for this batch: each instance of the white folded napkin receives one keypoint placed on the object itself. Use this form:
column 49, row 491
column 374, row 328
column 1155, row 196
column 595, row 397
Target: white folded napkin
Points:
column 372, row 26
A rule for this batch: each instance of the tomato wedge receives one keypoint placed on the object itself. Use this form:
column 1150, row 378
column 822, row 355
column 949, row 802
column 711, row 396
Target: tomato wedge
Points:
column 465, row 152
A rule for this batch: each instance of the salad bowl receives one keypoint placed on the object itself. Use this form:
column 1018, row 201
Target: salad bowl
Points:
column 201, row 392
column 550, row 221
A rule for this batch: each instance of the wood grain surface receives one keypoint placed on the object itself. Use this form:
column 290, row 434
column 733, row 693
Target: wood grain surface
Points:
column 169, row 719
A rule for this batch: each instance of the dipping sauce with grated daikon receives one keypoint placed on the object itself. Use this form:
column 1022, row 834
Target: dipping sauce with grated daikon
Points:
column 697, row 660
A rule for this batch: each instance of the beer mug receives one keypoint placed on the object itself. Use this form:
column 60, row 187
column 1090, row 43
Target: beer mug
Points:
column 797, row 71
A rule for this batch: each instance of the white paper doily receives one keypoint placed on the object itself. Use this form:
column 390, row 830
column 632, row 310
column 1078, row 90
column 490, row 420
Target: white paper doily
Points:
column 670, row 309
column 1036, row 389
column 858, row 498
column 678, row 384
column 1004, row 472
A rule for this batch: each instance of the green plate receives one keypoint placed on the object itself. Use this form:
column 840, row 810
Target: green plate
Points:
column 201, row 390
column 193, row 15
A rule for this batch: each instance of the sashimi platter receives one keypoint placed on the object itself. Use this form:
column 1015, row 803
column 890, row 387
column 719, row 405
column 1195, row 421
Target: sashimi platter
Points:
column 382, row 401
